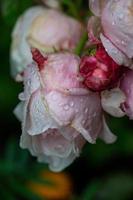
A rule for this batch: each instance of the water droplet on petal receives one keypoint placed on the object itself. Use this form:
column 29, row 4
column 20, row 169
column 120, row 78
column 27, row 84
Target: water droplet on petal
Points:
column 83, row 122
column 123, row 42
column 86, row 110
column 71, row 103
column 66, row 107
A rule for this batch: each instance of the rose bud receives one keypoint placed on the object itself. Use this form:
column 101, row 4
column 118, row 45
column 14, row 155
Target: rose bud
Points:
column 100, row 72
column 117, row 28
column 48, row 30
column 57, row 112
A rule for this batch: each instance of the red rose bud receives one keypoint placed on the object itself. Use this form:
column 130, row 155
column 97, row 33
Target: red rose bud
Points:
column 38, row 58
column 100, row 72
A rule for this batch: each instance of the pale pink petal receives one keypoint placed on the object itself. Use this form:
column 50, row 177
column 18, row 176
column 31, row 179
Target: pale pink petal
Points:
column 117, row 23
column 20, row 54
column 54, row 30
column 97, row 6
column 57, row 164
column 112, row 100
column 18, row 111
column 61, row 72
column 45, row 29
column 106, row 135
column 76, row 111
column 115, row 53
column 127, row 87
column 38, row 118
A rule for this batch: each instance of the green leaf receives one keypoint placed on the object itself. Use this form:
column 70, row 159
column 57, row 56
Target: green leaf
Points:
column 20, row 189
column 91, row 191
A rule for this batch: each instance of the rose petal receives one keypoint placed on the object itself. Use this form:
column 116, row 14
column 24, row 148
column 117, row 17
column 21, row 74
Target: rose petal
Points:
column 106, row 135
column 38, row 118
column 97, row 6
column 116, row 55
column 112, row 100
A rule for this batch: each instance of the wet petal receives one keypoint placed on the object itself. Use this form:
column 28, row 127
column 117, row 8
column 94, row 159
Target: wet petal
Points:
column 112, row 101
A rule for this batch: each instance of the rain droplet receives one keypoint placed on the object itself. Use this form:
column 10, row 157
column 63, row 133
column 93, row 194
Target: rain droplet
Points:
column 123, row 42
column 113, row 23
column 83, row 122
column 71, row 103
column 86, row 110
column 66, row 107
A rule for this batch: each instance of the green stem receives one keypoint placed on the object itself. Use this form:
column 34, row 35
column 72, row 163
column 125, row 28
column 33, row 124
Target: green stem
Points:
column 81, row 44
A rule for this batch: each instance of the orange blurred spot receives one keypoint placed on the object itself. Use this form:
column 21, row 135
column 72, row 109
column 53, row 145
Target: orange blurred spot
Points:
column 60, row 188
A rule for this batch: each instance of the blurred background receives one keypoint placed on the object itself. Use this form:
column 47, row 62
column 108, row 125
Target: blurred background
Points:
column 102, row 172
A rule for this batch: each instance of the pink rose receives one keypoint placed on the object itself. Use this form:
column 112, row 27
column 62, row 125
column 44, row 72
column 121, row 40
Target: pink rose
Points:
column 100, row 72
column 116, row 20
column 46, row 29
column 58, row 113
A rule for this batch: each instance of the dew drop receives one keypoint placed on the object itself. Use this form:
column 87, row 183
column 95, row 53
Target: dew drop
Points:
column 86, row 110
column 113, row 23
column 83, row 122
column 66, row 107
column 123, row 42
column 71, row 103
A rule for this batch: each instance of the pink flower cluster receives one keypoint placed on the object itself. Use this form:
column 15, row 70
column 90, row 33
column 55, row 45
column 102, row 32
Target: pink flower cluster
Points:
column 64, row 96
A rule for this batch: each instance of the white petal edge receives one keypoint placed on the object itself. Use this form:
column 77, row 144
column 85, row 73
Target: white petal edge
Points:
column 106, row 135
column 111, row 101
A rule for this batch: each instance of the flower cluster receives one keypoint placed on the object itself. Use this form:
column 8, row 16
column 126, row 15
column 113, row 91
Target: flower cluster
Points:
column 65, row 95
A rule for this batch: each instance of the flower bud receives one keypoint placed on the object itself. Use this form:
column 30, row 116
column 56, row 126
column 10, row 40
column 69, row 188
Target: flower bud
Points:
column 100, row 72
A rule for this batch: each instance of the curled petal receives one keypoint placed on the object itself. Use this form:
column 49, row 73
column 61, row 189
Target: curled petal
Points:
column 52, row 148
column 112, row 101
column 117, row 23
column 115, row 53
column 126, row 86
column 38, row 118
column 94, row 29
column 106, row 135
column 75, row 111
